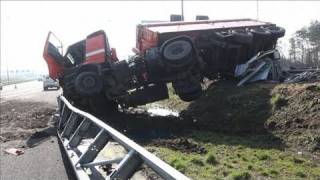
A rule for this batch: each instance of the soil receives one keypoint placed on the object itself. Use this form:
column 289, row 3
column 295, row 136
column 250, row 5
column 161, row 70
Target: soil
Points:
column 288, row 111
column 21, row 120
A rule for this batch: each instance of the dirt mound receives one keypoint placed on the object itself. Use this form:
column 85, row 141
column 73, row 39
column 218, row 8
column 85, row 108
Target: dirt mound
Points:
column 288, row 111
column 296, row 114
column 20, row 119
column 227, row 108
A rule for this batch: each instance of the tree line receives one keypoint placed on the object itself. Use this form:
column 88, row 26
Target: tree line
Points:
column 304, row 46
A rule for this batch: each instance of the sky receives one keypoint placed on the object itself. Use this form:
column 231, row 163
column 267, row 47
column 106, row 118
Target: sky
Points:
column 25, row 24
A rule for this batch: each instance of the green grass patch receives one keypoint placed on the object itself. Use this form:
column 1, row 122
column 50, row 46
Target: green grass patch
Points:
column 211, row 159
column 239, row 157
column 240, row 175
column 263, row 156
column 301, row 174
column 179, row 164
column 297, row 160
column 197, row 161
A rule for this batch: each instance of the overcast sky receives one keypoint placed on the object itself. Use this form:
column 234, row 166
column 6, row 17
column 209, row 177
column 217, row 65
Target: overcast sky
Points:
column 24, row 25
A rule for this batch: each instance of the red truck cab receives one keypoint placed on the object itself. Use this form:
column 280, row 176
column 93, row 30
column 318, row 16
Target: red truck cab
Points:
column 94, row 49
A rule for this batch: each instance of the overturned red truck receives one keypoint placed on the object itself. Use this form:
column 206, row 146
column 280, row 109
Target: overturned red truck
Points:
column 181, row 53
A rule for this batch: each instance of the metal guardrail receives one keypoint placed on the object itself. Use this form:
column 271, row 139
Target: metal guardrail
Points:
column 74, row 124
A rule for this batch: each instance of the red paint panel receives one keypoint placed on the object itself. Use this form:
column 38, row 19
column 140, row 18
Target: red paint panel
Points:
column 95, row 49
column 146, row 40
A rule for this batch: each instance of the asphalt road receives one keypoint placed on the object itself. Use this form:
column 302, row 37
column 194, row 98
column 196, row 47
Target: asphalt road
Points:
column 44, row 161
column 32, row 90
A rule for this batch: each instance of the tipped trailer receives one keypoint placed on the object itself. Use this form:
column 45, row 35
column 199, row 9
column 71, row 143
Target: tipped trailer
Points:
column 181, row 53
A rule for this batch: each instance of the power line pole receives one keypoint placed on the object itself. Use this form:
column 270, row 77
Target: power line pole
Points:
column 182, row 14
column 257, row 8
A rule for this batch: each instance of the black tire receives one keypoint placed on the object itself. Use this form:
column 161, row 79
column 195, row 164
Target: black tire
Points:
column 187, row 90
column 276, row 31
column 178, row 51
column 45, row 88
column 260, row 33
column 88, row 83
column 242, row 37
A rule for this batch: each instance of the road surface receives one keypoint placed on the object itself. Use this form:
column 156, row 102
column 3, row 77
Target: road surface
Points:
column 32, row 90
column 42, row 161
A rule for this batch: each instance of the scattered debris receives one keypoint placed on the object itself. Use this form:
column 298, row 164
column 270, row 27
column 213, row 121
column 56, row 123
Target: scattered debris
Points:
column 14, row 151
column 304, row 76
column 266, row 66
column 263, row 66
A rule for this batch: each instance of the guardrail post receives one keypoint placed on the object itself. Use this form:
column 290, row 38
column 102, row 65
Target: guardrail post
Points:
column 70, row 125
column 128, row 166
column 79, row 133
column 99, row 142
column 64, row 116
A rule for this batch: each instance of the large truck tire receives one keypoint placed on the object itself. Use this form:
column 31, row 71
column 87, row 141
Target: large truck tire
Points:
column 177, row 52
column 276, row 31
column 260, row 33
column 88, row 83
column 187, row 90
column 242, row 37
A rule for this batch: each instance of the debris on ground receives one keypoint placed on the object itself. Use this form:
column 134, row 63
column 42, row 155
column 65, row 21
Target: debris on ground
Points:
column 14, row 151
column 267, row 66
column 263, row 66
column 304, row 77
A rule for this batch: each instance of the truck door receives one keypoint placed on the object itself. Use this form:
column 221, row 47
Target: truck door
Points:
column 53, row 55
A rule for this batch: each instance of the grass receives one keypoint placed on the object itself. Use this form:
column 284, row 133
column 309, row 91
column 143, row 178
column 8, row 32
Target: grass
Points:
column 211, row 159
column 277, row 101
column 179, row 164
column 239, row 158
column 240, row 175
